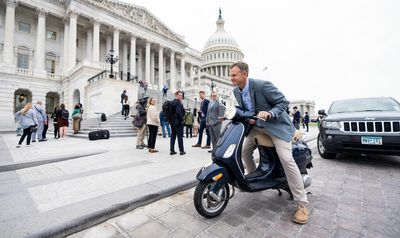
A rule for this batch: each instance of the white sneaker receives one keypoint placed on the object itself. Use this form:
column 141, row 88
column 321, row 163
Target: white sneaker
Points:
column 29, row 145
column 18, row 146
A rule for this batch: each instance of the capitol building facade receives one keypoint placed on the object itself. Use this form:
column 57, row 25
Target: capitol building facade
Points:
column 59, row 51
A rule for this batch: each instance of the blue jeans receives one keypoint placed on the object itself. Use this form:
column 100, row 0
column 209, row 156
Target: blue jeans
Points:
column 165, row 124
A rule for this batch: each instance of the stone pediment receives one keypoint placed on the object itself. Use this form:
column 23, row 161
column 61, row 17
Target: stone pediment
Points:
column 137, row 15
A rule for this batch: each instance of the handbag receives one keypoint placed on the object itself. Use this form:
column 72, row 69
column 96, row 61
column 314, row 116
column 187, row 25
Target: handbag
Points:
column 33, row 129
column 138, row 121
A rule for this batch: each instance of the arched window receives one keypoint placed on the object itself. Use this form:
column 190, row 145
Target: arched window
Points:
column 21, row 97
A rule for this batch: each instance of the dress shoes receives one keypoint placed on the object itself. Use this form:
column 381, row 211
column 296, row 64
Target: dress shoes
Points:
column 182, row 152
column 206, row 147
column 172, row 153
column 196, row 145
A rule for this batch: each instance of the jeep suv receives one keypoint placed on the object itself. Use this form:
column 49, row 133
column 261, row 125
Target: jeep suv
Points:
column 364, row 125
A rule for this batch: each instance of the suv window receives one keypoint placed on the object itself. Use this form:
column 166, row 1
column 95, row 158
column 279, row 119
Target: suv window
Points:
column 360, row 105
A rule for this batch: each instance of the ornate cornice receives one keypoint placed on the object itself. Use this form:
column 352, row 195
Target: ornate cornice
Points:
column 95, row 21
column 11, row 3
column 137, row 15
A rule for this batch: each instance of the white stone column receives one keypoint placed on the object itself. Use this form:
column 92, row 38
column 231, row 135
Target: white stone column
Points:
column 183, row 73
column 198, row 75
column 152, row 70
column 116, row 50
column 89, row 44
column 147, row 62
column 96, row 40
column 172, row 72
column 73, row 16
column 66, row 45
column 227, row 71
column 39, row 70
column 132, row 66
column 8, row 47
column 125, row 59
column 140, row 64
column 160, row 67
column 191, row 74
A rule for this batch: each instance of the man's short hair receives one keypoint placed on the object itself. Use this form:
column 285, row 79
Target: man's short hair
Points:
column 202, row 92
column 178, row 92
column 295, row 107
column 242, row 66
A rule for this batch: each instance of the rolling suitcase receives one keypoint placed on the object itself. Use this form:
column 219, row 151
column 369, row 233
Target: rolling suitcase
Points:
column 99, row 134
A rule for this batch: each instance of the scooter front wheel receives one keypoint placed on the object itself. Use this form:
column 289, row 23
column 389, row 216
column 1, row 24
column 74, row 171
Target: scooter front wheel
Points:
column 207, row 205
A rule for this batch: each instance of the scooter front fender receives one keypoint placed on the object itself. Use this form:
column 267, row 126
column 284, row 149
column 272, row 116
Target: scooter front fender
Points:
column 212, row 172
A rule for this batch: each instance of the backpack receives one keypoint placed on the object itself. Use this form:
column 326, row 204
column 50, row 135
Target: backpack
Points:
column 65, row 114
column 167, row 109
column 189, row 119
column 103, row 117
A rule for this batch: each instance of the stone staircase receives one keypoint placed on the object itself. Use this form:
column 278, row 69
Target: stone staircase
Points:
column 116, row 124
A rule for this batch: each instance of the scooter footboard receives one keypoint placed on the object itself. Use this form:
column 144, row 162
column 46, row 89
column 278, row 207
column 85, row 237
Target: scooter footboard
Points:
column 213, row 172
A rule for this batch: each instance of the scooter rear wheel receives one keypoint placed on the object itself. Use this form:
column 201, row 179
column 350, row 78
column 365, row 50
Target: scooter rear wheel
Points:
column 205, row 204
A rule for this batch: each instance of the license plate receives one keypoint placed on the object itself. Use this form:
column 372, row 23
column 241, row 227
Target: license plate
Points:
column 371, row 140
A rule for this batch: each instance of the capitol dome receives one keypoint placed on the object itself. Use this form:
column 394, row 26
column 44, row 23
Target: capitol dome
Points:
column 220, row 51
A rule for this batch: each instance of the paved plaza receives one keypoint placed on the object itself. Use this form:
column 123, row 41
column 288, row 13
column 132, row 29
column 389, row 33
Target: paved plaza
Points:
column 351, row 196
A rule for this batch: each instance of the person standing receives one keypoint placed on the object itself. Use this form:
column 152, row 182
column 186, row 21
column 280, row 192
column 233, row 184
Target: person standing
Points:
column 42, row 120
column 123, row 94
column 202, row 115
column 80, row 121
column 164, row 91
column 214, row 119
column 54, row 117
column 153, row 121
column 62, row 121
column 141, row 116
column 296, row 118
column 265, row 100
column 188, row 119
column 28, row 120
column 126, row 104
column 177, row 124
column 306, row 120
column 76, row 117
column 164, row 125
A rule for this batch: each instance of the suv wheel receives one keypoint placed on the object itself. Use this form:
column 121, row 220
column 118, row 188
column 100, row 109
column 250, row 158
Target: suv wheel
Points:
column 321, row 150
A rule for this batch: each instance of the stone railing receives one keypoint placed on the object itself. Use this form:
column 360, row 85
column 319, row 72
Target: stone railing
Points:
column 53, row 76
column 26, row 72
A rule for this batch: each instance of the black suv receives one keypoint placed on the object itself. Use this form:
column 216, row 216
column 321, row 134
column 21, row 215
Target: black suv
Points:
column 364, row 125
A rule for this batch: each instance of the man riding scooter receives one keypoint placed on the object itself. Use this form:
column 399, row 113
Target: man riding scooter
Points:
column 263, row 98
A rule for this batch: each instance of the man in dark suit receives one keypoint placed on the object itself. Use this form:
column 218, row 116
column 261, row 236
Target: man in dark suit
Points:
column 306, row 120
column 214, row 119
column 177, row 125
column 265, row 100
column 296, row 118
column 203, row 125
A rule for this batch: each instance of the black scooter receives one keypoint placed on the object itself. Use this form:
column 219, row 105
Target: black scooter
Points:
column 213, row 192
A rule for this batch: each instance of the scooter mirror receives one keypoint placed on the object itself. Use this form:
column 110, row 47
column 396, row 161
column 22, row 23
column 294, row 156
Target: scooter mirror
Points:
column 230, row 112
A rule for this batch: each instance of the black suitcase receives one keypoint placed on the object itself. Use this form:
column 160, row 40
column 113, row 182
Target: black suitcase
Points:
column 100, row 134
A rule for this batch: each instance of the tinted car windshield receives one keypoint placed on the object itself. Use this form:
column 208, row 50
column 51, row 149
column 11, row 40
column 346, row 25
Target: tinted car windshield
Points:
column 367, row 104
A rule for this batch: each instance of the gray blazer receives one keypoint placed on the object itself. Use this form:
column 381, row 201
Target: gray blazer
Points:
column 214, row 111
column 266, row 97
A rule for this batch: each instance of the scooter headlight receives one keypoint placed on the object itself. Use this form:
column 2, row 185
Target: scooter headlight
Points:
column 229, row 152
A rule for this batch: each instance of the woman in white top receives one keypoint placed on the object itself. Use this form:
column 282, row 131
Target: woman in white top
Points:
column 153, row 121
column 126, row 104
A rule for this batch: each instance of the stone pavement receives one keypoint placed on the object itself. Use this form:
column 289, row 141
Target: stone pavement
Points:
column 351, row 196
column 58, row 187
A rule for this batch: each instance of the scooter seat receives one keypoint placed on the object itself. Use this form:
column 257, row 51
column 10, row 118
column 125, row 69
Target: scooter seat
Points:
column 263, row 140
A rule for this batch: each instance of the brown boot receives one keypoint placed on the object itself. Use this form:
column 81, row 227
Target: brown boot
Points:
column 301, row 215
